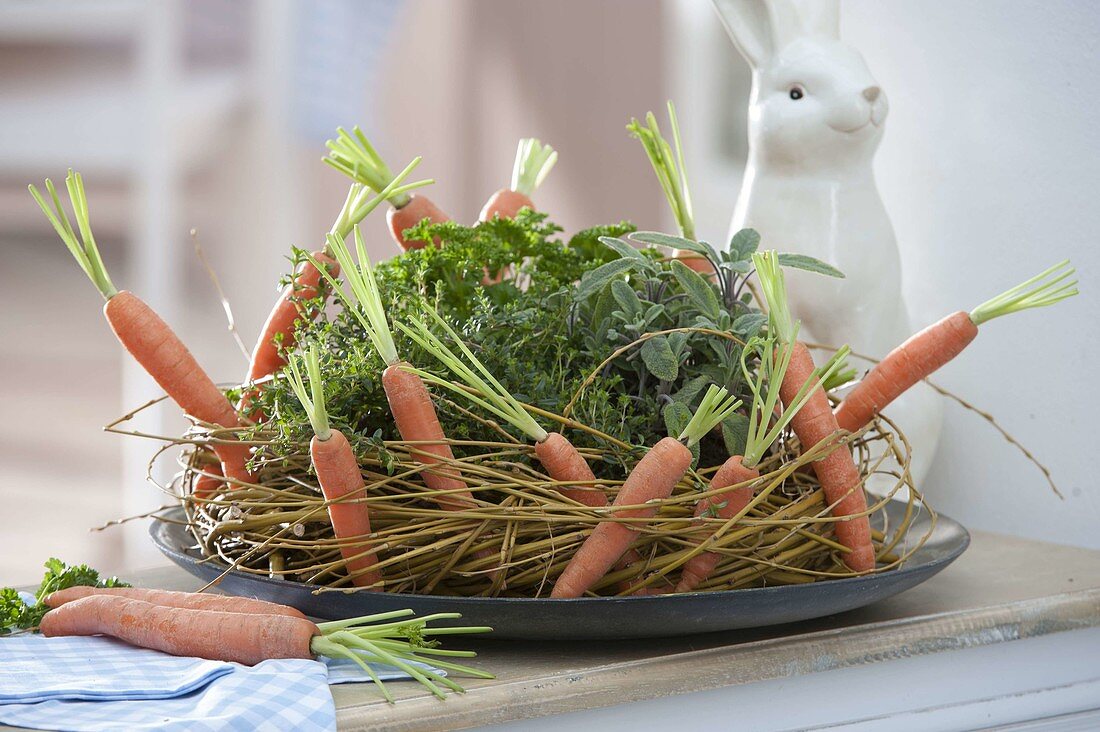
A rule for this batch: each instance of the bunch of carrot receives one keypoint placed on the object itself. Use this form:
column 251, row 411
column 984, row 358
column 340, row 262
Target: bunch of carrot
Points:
column 249, row 631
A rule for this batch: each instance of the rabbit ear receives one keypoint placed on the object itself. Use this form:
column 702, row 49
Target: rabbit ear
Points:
column 749, row 25
column 819, row 17
column 759, row 27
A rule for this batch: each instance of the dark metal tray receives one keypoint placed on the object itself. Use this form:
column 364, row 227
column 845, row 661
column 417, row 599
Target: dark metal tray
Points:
column 598, row 618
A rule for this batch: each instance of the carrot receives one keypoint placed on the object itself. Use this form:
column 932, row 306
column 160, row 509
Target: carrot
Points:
column 560, row 458
column 142, row 332
column 653, row 478
column 766, row 422
column 732, row 472
column 672, row 175
column 184, row 600
column 208, row 483
column 815, row 423
column 278, row 334
column 562, row 461
column 252, row 638
column 354, row 156
column 338, row 473
column 409, row 400
column 223, row 636
column 533, row 163
column 923, row 353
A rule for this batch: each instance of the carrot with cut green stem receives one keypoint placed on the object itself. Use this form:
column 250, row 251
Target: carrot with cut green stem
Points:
column 169, row 598
column 563, row 463
column 672, row 175
column 814, row 423
column 767, row 420
column 142, row 332
column 409, row 400
column 338, row 474
column 354, row 156
column 652, row 479
column 277, row 335
column 251, row 638
column 533, row 163
column 926, row 351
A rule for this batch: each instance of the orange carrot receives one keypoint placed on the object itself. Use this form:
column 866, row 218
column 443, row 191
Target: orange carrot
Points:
column 222, row 636
column 732, row 472
column 338, row 473
column 925, row 352
column 168, row 598
column 505, row 204
column 653, row 478
column 408, row 215
column 416, row 420
column 814, row 423
column 562, row 461
column 766, row 422
column 354, row 156
column 209, row 483
column 251, row 638
column 564, row 464
column 142, row 332
column 410, row 403
column 277, row 336
column 533, row 163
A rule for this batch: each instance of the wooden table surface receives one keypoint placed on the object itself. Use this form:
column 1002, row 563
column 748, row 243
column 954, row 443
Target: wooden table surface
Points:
column 1001, row 589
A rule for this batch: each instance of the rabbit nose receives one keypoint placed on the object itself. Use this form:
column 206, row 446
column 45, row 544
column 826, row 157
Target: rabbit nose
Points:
column 871, row 93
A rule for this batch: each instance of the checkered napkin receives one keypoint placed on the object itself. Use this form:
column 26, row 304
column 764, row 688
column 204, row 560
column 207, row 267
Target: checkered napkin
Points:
column 103, row 684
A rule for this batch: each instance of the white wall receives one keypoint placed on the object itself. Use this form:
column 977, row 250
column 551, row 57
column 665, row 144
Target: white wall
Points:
column 990, row 171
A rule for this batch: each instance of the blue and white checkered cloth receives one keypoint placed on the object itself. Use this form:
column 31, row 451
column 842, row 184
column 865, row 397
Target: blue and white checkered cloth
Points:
column 103, row 684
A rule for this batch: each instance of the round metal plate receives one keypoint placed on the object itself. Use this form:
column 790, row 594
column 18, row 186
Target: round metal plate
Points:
column 598, row 618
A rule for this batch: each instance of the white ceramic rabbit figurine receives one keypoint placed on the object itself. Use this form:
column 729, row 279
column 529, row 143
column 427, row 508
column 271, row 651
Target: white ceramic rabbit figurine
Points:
column 816, row 116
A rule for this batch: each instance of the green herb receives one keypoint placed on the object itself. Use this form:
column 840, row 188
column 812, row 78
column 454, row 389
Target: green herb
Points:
column 15, row 615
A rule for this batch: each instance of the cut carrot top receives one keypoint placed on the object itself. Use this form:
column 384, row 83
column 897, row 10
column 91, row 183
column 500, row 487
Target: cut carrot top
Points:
column 765, row 425
column 1045, row 288
column 774, row 285
column 354, row 156
column 670, row 169
column 716, row 405
column 491, row 394
column 364, row 301
column 533, row 163
column 84, row 248
column 312, row 399
column 357, row 205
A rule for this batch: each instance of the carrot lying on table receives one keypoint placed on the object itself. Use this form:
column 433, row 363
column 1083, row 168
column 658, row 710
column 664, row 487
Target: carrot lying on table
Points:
column 278, row 333
column 338, row 474
column 931, row 348
column 142, row 332
column 250, row 638
column 533, row 163
column 653, row 478
column 182, row 600
column 814, row 423
column 354, row 156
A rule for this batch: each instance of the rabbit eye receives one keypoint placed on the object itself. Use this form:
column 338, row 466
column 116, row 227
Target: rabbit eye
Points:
column 796, row 93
